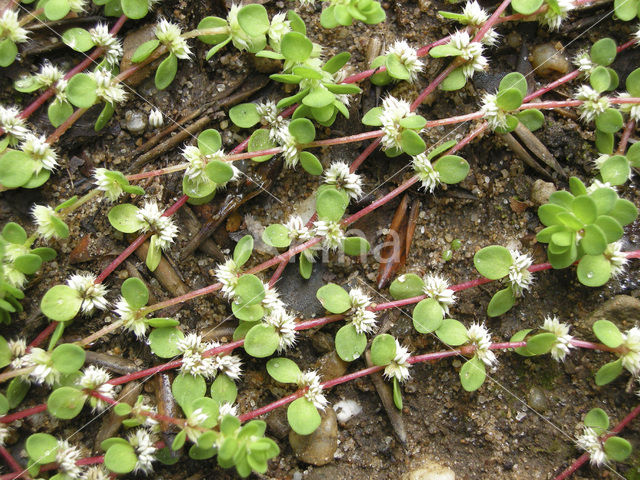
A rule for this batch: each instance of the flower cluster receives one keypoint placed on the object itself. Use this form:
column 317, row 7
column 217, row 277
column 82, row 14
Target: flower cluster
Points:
column 495, row 116
column 43, row 371
column 66, row 458
column 268, row 112
column 398, row 368
column 429, row 177
column 289, row 145
column 194, row 424
column 12, row 124
column 437, row 287
column 227, row 274
column 311, row 381
column 393, row 110
column 408, row 57
column 331, row 233
column 519, row 275
column 10, row 27
column 617, row 258
column 593, row 105
column 475, row 16
column 195, row 363
column 480, row 338
column 95, row 379
column 160, row 225
column 554, row 17
column 471, row 52
column 339, row 175
column 155, row 118
column 170, row 35
column 560, row 348
column 109, row 43
column 44, row 216
column 363, row 319
column 145, row 449
column 111, row 188
column 108, row 90
column 92, row 293
column 590, row 442
column 631, row 109
column 631, row 348
column 279, row 27
column 131, row 318
column 285, row 327
column 40, row 151
column 583, row 62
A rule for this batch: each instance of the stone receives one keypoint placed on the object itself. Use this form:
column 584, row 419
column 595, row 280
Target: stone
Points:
column 330, row 365
column 623, row 310
column 135, row 122
column 541, row 191
column 319, row 447
column 548, row 60
column 537, row 399
column 430, row 471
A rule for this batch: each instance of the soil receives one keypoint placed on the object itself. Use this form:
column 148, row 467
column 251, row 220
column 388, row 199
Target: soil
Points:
column 494, row 433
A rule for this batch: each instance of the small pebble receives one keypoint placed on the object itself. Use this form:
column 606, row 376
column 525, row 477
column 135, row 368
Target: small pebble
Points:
column 541, row 191
column 430, row 471
column 319, row 447
column 537, row 399
column 135, row 122
column 346, row 410
column 548, row 60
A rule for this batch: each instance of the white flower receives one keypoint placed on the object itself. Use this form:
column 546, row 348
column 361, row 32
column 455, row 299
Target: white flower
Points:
column 519, row 275
column 631, row 346
column 95, row 379
column 12, row 124
column 285, row 325
column 596, row 184
column 268, row 112
column 297, row 229
column 616, row 257
column 96, row 473
column 160, row 225
column 636, row 35
column 66, row 458
column 40, row 151
column 492, row 113
column 408, row 57
column 429, row 177
column 109, row 43
column 77, row 6
column 311, row 380
column 225, row 409
column 358, row 298
column 10, row 27
column 393, row 110
column 141, row 412
column 279, row 27
column 43, row 216
column 593, row 105
column 474, row 13
column 561, row 347
column 4, row 434
column 363, row 320
column 239, row 37
column 170, row 36
column 191, row 347
column 271, row 299
column 92, row 293
column 230, row 365
column 331, row 233
column 197, row 163
column 193, row 427
column 130, row 319
column 48, row 75
column 471, row 52
column 437, row 287
column 590, row 442
column 145, row 450
column 155, row 118
column 554, row 19
column 338, row 174
column 17, row 347
column 227, row 274
column 107, row 89
column 107, row 184
column 289, row 145
column 631, row 109
column 479, row 337
column 583, row 62
column 399, row 366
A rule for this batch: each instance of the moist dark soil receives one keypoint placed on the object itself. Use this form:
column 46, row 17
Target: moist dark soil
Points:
column 521, row 423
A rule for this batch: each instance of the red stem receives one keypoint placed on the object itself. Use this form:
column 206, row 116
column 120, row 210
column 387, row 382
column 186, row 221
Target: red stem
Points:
column 626, row 134
column 43, row 335
column 493, row 19
column 23, row 413
column 122, row 257
column 13, row 464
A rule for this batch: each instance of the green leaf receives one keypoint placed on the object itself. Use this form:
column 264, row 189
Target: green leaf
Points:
column 276, row 235
column 135, row 292
column 5, row 353
column 213, row 50
column 406, row 286
column 355, row 246
column 617, row 448
column 296, row 47
column 305, row 267
column 253, row 19
column 372, row 117
column 303, row 417
column 16, row 168
column 81, row 90
column 594, row 241
column 8, row 52
column 42, row 448
column 440, row 51
column 600, row 79
column 603, row 52
column 213, row 22
column 501, row 302
column 166, row 72
column 331, row 204
column 472, row 374
column 541, row 343
column 249, row 290
column 283, row 370
column 597, row 419
column 68, row 358
column 58, row 112
column 78, row 39
column 440, row 149
column 604, row 142
column 261, row 341
column 615, row 170
column 259, row 141
column 163, row 341
column 609, row 121
column 247, row 313
column 607, row 332
column 452, row 332
column 383, row 349
column 396, row 67
column 532, row 118
column 610, row 227
column 452, row 169
column 411, row 143
column 120, row 458
column 310, row 163
column 519, row 336
column 454, row 81
column 334, row 298
column 14, row 233
column 427, row 316
column 336, row 62
column 633, row 155
column 594, row 270
column 209, row 142
column 526, row 7
column 224, row 390
column 349, row 343
column 624, row 211
column 244, row 115
column 303, row 130
column 509, row 99
column 105, row 115
column 242, row 251
column 17, row 390
column 65, row 402
column 397, row 394
column 56, row 9
column 297, row 24
column 27, row 264
column 625, row 9
column 633, row 83
column 145, row 50
column 135, row 9
column 61, row 303
column 188, row 388
column 493, row 262
column 608, row 372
